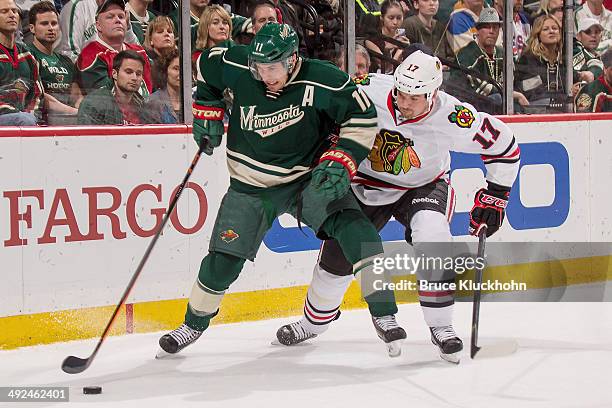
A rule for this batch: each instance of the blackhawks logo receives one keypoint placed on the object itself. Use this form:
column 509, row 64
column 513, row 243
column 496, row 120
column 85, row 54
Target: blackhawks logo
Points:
column 462, row 116
column 362, row 79
column 229, row 236
column 392, row 153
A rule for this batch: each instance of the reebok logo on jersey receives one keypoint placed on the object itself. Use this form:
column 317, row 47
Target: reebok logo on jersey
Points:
column 425, row 200
column 271, row 123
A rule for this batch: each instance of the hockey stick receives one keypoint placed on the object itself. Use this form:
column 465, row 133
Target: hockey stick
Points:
column 75, row 365
column 499, row 349
column 482, row 239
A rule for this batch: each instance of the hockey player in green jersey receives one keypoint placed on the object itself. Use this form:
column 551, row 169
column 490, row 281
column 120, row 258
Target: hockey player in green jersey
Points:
column 283, row 109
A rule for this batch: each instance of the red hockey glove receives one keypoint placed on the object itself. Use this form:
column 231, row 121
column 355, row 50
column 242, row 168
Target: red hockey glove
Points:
column 489, row 208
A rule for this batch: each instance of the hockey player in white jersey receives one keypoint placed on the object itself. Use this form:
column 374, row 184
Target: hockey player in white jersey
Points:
column 406, row 175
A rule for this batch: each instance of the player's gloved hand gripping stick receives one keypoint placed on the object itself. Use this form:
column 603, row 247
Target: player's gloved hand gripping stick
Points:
column 208, row 125
column 75, row 365
column 489, row 209
column 334, row 173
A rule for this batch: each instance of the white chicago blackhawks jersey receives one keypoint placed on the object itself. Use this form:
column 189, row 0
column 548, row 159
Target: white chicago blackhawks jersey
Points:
column 410, row 153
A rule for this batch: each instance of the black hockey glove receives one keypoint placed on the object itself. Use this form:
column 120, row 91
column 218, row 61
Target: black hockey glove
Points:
column 489, row 208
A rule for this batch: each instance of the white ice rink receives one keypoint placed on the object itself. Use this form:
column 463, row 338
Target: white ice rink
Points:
column 564, row 359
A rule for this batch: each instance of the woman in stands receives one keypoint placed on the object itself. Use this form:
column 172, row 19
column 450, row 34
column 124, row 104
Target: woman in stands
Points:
column 165, row 103
column 160, row 40
column 391, row 20
column 540, row 72
column 214, row 28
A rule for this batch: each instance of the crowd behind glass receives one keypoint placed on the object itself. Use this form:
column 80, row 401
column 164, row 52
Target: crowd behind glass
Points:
column 114, row 62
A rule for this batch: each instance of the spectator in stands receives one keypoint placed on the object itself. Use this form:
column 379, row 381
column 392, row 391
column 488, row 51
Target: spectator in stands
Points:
column 391, row 20
column 487, row 58
column 214, row 27
column 140, row 17
column 461, row 28
column 96, row 60
column 57, row 72
column 196, row 7
column 20, row 87
column 367, row 15
column 587, row 63
column 595, row 9
column 120, row 104
column 539, row 73
column 425, row 29
column 597, row 96
column 165, row 103
column 522, row 29
column 160, row 40
column 552, row 7
column 362, row 60
column 240, row 24
column 262, row 13
column 78, row 21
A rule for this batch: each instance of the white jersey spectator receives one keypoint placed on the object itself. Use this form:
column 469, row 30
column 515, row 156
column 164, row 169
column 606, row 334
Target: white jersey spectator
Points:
column 595, row 9
column 78, row 24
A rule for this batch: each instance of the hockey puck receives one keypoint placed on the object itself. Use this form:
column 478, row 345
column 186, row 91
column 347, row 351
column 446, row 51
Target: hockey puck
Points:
column 92, row 390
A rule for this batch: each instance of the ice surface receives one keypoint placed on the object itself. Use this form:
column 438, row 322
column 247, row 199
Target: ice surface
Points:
column 563, row 360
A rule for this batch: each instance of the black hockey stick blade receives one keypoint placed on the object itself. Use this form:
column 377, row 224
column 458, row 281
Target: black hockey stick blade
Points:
column 76, row 365
column 482, row 237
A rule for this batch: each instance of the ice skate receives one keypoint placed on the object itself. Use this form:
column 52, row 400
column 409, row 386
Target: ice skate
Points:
column 449, row 344
column 391, row 333
column 177, row 340
column 294, row 333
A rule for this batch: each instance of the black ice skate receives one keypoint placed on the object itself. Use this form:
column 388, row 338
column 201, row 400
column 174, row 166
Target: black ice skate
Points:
column 293, row 333
column 448, row 343
column 391, row 333
column 177, row 340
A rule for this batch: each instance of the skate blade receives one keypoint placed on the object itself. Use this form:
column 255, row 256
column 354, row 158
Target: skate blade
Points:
column 164, row 355
column 394, row 348
column 451, row 358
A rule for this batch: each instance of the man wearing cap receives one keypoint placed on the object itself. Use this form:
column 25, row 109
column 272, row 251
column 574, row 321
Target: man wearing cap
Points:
column 594, row 9
column 96, row 60
column 78, row 27
column 486, row 58
column 597, row 96
column 586, row 61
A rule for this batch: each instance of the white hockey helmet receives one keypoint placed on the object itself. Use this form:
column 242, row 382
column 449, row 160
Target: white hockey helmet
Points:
column 419, row 74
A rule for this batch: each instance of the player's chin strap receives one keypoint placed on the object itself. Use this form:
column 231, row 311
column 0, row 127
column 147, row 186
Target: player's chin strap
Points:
column 431, row 97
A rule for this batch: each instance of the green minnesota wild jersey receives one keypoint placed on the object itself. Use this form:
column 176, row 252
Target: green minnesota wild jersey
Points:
column 274, row 138
column 57, row 73
column 594, row 97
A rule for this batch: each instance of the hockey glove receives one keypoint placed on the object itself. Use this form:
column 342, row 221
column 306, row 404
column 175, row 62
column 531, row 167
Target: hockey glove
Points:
column 489, row 208
column 208, row 125
column 332, row 177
